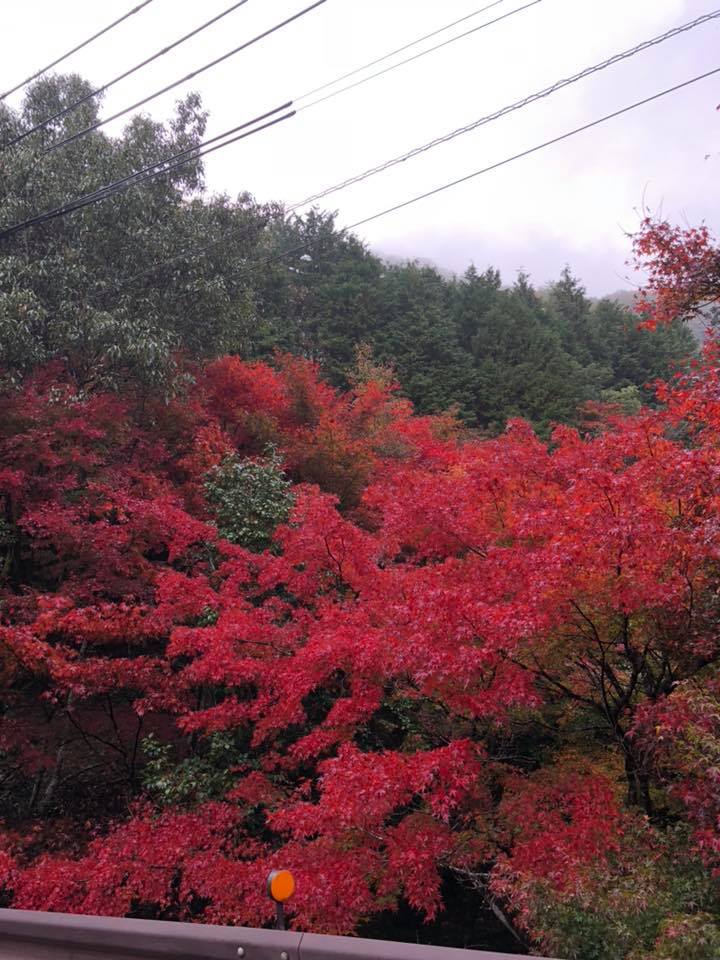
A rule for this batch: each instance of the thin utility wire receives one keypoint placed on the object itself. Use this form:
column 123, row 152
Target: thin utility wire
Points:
column 416, row 56
column 189, row 76
column 512, row 107
column 39, row 73
column 122, row 76
column 538, row 147
column 191, row 153
column 407, row 46
column 160, row 168
column 494, row 166
column 253, row 266
column 531, row 98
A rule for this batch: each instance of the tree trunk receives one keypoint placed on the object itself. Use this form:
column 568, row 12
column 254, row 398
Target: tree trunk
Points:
column 638, row 782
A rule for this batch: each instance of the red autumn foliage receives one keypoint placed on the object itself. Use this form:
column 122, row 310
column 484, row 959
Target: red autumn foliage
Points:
column 430, row 599
column 682, row 267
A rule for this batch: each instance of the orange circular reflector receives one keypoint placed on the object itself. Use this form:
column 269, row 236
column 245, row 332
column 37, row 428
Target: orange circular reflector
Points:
column 281, row 885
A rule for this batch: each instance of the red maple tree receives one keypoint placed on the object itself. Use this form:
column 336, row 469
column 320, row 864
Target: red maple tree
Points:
column 457, row 657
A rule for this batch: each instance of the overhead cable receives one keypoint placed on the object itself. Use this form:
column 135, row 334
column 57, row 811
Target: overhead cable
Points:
column 531, row 98
column 253, row 266
column 188, row 76
column 157, row 169
column 392, row 53
column 538, row 147
column 122, row 76
column 510, row 108
column 85, row 43
column 417, row 56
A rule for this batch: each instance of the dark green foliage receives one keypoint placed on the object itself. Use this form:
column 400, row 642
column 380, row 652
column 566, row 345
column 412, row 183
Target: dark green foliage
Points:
column 206, row 774
column 321, row 299
column 543, row 358
column 523, row 370
column 417, row 332
column 607, row 334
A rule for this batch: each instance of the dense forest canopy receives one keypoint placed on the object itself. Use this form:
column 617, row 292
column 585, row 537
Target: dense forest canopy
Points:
column 408, row 584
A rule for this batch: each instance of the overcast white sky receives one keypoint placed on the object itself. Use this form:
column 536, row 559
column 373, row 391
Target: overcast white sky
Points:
column 571, row 203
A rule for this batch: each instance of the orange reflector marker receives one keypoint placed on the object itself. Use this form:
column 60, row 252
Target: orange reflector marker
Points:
column 281, row 885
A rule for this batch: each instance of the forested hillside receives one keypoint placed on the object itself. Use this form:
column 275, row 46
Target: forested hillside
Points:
column 117, row 287
column 298, row 569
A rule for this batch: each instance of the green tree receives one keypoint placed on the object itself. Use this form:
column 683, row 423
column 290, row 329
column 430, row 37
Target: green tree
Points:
column 317, row 293
column 606, row 334
column 416, row 333
column 474, row 295
column 119, row 290
column 82, row 288
column 523, row 369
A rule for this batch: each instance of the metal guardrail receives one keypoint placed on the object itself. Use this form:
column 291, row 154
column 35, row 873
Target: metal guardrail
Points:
column 26, row 935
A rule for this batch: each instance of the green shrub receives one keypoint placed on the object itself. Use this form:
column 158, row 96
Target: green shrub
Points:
column 250, row 499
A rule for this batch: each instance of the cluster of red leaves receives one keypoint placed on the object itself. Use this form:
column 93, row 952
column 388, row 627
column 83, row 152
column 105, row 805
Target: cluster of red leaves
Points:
column 426, row 594
column 562, row 828
column 682, row 267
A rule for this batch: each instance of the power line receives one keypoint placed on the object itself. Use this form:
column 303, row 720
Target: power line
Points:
column 386, row 56
column 512, row 107
column 159, row 168
column 494, row 166
column 417, row 56
column 145, row 174
column 477, row 173
column 80, row 46
column 538, row 147
column 83, row 201
column 141, row 176
column 191, row 153
column 122, row 76
column 531, row 98
column 295, row 101
column 189, row 76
